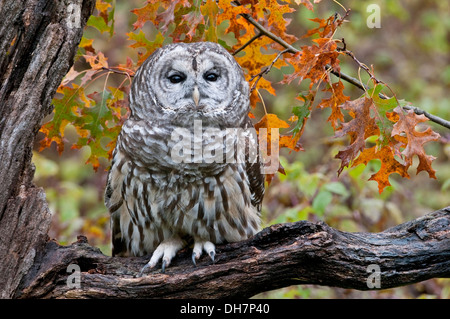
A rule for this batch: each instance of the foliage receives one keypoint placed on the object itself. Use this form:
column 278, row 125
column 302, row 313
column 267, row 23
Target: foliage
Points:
column 256, row 33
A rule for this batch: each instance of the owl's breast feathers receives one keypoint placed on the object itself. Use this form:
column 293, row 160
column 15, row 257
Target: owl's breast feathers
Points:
column 151, row 196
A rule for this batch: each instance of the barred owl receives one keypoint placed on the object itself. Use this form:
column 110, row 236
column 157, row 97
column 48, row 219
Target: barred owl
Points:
column 185, row 170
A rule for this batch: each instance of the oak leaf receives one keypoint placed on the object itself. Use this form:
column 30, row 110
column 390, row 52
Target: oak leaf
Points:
column 337, row 98
column 311, row 63
column 406, row 125
column 389, row 165
column 270, row 146
column 358, row 129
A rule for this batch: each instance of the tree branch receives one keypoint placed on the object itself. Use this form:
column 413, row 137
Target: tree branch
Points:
column 278, row 256
column 289, row 48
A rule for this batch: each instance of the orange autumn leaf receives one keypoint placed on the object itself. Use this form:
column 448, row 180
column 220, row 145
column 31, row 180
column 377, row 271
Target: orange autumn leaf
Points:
column 271, row 121
column 253, row 61
column 311, row 63
column 146, row 13
column 271, row 146
column 102, row 8
column 277, row 22
column 291, row 142
column 361, row 127
column 389, row 165
column 406, row 124
column 231, row 14
column 96, row 62
column 326, row 27
column 337, row 98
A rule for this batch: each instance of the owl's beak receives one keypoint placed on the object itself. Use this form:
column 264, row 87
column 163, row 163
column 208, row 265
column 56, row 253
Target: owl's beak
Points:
column 196, row 95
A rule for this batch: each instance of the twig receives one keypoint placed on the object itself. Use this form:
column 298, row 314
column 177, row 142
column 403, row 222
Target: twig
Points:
column 269, row 34
column 343, row 76
column 362, row 66
column 115, row 70
column 431, row 117
column 256, row 36
column 265, row 70
column 416, row 110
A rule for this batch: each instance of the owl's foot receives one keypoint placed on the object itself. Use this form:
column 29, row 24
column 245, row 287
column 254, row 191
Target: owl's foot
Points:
column 165, row 250
column 199, row 246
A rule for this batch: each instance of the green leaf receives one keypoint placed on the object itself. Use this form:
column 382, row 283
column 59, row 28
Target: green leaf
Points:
column 337, row 188
column 210, row 10
column 321, row 201
column 103, row 19
column 99, row 24
column 112, row 19
column 141, row 42
column 66, row 110
column 302, row 112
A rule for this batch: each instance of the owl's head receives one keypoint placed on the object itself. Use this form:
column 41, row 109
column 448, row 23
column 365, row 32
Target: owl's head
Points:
column 182, row 82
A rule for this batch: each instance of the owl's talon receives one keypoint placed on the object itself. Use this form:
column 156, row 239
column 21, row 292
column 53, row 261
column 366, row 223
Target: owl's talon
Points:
column 201, row 246
column 194, row 257
column 142, row 270
column 166, row 250
column 163, row 267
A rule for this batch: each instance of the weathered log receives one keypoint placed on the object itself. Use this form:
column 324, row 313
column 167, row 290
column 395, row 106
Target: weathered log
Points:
column 278, row 256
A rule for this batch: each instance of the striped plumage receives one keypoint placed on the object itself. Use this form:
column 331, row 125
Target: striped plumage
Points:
column 157, row 203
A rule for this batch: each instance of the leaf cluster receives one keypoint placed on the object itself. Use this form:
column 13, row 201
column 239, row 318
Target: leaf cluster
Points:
column 256, row 33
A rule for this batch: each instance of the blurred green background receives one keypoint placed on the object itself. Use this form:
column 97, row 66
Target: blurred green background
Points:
column 410, row 52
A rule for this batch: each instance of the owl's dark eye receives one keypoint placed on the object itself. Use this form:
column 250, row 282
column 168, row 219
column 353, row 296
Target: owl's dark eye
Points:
column 177, row 78
column 211, row 77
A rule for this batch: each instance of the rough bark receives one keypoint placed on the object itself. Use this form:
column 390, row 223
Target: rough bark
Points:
column 279, row 256
column 38, row 41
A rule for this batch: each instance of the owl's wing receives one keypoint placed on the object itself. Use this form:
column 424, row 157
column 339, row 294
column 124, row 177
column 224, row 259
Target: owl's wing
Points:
column 115, row 205
column 255, row 173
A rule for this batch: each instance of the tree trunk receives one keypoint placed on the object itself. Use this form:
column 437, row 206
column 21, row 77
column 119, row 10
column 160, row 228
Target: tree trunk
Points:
column 38, row 41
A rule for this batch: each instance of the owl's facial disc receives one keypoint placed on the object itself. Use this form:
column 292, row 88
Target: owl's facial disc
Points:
column 197, row 83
